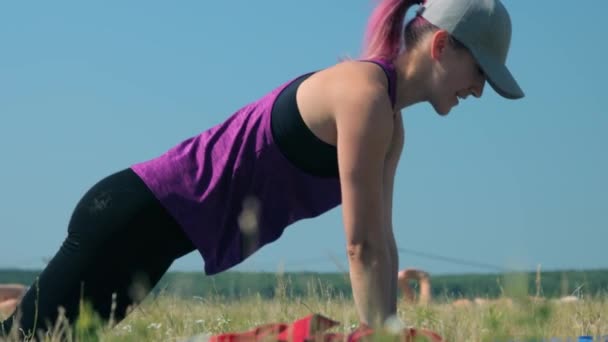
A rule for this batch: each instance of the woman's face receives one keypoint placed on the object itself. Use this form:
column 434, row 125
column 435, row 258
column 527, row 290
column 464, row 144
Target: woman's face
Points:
column 455, row 74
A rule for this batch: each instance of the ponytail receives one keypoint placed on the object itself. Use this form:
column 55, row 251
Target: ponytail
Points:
column 385, row 29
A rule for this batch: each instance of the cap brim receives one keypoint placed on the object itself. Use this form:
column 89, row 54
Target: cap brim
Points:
column 499, row 76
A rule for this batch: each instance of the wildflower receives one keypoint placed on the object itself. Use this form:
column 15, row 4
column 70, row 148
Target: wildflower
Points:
column 155, row 325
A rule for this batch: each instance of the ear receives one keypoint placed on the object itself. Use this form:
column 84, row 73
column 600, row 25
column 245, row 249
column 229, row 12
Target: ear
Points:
column 439, row 43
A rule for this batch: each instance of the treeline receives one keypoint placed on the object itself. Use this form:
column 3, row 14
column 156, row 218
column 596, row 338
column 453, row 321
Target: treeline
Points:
column 234, row 285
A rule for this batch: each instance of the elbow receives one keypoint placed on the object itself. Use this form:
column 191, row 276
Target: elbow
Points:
column 366, row 253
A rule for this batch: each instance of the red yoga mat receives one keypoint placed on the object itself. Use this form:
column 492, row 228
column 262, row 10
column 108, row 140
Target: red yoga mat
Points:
column 313, row 328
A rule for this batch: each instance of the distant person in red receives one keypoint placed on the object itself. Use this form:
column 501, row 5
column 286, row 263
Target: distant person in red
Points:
column 10, row 295
column 322, row 139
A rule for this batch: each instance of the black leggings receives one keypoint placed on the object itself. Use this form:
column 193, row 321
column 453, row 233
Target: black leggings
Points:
column 120, row 241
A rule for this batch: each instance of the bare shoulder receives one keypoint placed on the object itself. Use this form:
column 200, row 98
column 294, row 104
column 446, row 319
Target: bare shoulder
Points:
column 348, row 88
column 364, row 72
column 360, row 91
column 362, row 109
column 344, row 95
column 355, row 80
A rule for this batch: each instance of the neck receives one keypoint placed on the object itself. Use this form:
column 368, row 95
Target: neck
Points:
column 411, row 85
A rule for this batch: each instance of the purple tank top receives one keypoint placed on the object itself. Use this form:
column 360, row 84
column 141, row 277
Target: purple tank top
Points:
column 206, row 181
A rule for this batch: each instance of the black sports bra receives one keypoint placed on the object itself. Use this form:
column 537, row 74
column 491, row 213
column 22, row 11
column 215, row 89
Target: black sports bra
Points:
column 296, row 141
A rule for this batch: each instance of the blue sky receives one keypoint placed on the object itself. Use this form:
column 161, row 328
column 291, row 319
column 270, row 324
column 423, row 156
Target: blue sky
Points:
column 88, row 88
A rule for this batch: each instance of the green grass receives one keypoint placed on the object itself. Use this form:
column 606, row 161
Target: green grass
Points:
column 170, row 318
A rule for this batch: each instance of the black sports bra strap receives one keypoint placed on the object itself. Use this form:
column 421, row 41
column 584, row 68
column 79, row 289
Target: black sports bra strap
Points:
column 391, row 75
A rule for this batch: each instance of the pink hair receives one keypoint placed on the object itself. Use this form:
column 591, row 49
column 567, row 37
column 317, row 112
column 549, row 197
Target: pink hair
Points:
column 385, row 29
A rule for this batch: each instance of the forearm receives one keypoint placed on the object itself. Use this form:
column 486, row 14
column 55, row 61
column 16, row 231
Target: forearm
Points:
column 372, row 275
column 393, row 288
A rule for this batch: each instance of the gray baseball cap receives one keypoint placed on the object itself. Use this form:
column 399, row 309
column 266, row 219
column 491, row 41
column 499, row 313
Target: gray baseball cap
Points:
column 484, row 27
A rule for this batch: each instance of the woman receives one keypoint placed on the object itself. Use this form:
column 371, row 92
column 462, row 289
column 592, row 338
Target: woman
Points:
column 322, row 139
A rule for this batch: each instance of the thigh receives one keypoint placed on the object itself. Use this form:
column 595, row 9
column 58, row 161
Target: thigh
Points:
column 134, row 239
column 140, row 256
column 117, row 229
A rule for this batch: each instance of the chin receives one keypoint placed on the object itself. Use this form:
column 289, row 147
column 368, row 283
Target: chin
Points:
column 442, row 109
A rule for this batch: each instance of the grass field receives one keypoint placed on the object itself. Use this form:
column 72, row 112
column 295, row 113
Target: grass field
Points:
column 169, row 318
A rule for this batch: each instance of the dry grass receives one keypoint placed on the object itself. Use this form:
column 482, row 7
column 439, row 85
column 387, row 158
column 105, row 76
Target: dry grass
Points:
column 168, row 318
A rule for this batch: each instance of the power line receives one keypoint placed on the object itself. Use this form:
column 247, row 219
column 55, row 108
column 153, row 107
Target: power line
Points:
column 448, row 259
column 453, row 260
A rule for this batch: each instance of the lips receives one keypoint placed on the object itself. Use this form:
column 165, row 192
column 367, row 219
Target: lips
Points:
column 460, row 97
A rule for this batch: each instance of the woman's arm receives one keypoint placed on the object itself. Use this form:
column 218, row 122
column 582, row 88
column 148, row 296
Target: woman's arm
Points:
column 392, row 161
column 364, row 123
